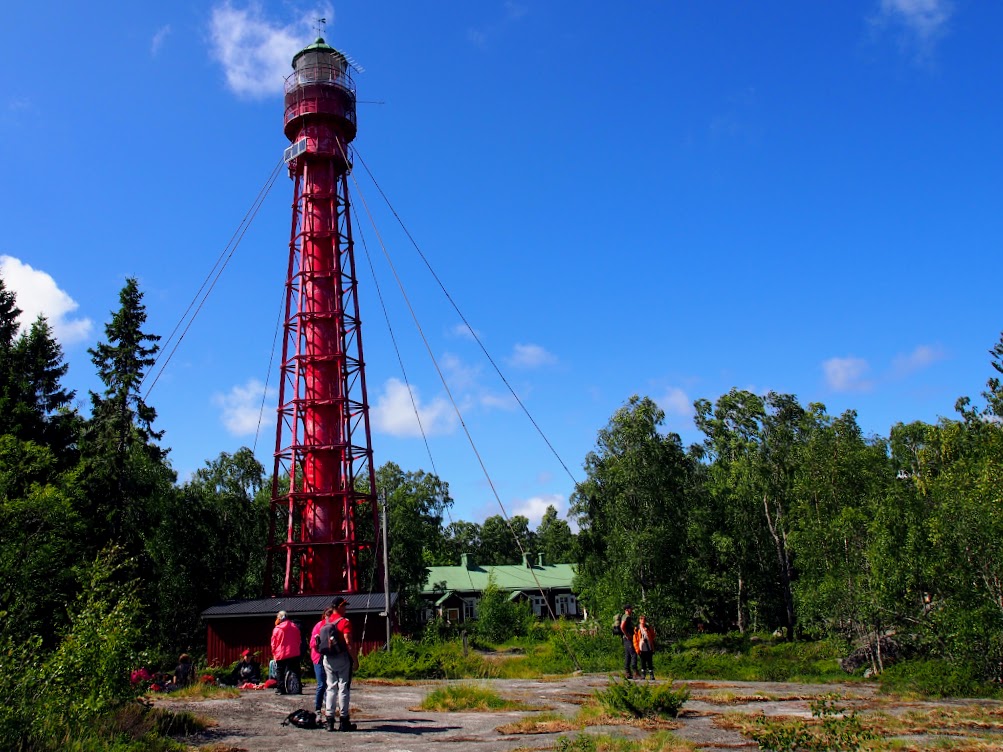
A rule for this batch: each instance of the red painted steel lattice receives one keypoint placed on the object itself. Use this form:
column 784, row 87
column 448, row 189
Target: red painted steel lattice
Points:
column 323, row 504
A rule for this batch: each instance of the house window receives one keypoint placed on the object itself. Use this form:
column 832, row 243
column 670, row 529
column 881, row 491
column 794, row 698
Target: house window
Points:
column 469, row 609
column 539, row 604
column 427, row 614
column 567, row 605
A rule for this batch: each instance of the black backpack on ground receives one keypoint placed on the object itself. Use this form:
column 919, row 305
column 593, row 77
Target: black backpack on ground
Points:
column 302, row 719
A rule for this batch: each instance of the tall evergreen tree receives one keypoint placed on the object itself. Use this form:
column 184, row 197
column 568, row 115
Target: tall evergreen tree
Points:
column 120, row 418
column 126, row 473
column 46, row 418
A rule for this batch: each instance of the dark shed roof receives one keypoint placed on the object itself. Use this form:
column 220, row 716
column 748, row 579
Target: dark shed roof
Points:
column 296, row 605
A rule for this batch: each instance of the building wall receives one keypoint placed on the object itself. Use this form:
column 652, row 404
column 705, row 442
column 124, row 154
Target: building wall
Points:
column 227, row 638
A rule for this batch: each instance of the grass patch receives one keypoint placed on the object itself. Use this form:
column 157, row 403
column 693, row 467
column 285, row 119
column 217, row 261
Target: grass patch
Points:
column 542, row 723
column 749, row 658
column 413, row 660
column 135, row 727
column 660, row 741
column 200, row 691
column 468, row 697
column 936, row 678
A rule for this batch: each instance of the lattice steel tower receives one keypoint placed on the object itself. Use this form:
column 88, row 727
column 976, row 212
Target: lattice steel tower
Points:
column 323, row 504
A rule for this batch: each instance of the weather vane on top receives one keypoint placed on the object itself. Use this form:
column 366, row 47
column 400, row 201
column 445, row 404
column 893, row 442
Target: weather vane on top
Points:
column 321, row 26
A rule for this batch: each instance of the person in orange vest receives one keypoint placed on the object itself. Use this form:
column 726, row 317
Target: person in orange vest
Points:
column 644, row 644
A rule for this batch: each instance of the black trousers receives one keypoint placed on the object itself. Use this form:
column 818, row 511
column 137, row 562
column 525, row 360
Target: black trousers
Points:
column 629, row 657
column 282, row 667
column 646, row 663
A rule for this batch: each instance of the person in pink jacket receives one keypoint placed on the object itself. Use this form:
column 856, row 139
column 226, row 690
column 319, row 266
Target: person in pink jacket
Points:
column 286, row 641
column 318, row 663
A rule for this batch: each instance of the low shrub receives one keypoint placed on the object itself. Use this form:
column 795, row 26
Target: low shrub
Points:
column 642, row 700
column 831, row 729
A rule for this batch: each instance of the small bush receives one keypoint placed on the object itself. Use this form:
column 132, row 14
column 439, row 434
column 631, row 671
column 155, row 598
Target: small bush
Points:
column 641, row 700
column 834, row 729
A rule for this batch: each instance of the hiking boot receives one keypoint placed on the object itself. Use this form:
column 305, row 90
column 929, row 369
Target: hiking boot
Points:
column 346, row 724
column 330, row 723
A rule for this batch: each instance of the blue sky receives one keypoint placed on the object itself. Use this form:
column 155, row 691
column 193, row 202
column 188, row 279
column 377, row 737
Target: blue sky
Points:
column 669, row 199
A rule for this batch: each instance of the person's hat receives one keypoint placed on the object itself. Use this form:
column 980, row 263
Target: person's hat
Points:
column 628, row 607
column 281, row 615
column 246, row 653
column 339, row 602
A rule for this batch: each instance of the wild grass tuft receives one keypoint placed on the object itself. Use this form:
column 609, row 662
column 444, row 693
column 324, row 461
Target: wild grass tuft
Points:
column 468, row 697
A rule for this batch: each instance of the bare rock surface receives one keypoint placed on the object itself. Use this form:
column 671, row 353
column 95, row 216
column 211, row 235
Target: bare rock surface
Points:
column 389, row 719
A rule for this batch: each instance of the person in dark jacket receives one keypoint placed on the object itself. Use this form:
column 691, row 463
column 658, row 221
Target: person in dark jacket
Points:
column 184, row 674
column 247, row 671
column 629, row 654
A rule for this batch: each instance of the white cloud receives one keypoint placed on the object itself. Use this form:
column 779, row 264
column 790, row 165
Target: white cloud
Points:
column 255, row 51
column 920, row 358
column 846, row 374
column 534, row 507
column 158, row 39
column 37, row 293
column 676, row 402
column 394, row 412
column 242, row 407
column 530, row 356
column 459, row 375
column 463, row 331
column 923, row 21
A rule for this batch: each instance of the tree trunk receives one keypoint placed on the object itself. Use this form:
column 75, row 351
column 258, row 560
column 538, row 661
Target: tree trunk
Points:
column 783, row 559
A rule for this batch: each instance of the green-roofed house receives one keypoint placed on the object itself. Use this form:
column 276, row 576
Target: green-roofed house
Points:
column 452, row 593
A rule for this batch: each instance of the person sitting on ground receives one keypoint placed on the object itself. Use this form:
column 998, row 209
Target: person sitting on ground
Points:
column 184, row 674
column 247, row 671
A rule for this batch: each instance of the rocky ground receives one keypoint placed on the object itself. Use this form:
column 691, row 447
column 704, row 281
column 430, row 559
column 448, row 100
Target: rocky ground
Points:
column 389, row 719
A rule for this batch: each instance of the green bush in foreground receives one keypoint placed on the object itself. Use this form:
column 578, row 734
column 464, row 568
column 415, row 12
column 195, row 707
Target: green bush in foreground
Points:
column 642, row 700
column 837, row 730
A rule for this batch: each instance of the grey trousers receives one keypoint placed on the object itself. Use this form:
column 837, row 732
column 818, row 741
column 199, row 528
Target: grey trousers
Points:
column 338, row 669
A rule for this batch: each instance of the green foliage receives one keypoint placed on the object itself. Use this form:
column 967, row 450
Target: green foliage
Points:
column 737, row 658
column 500, row 619
column 411, row 660
column 632, row 512
column 415, row 502
column 88, row 674
column 641, row 699
column 937, row 678
column 834, row 730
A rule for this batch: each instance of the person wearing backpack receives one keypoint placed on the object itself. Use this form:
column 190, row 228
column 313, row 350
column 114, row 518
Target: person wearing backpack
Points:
column 341, row 658
column 318, row 663
column 627, row 632
column 286, row 650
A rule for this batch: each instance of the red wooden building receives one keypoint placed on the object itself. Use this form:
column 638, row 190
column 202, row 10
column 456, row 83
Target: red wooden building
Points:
column 235, row 626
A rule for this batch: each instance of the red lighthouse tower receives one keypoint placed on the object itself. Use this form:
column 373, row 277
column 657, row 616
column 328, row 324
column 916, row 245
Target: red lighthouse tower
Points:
column 323, row 489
